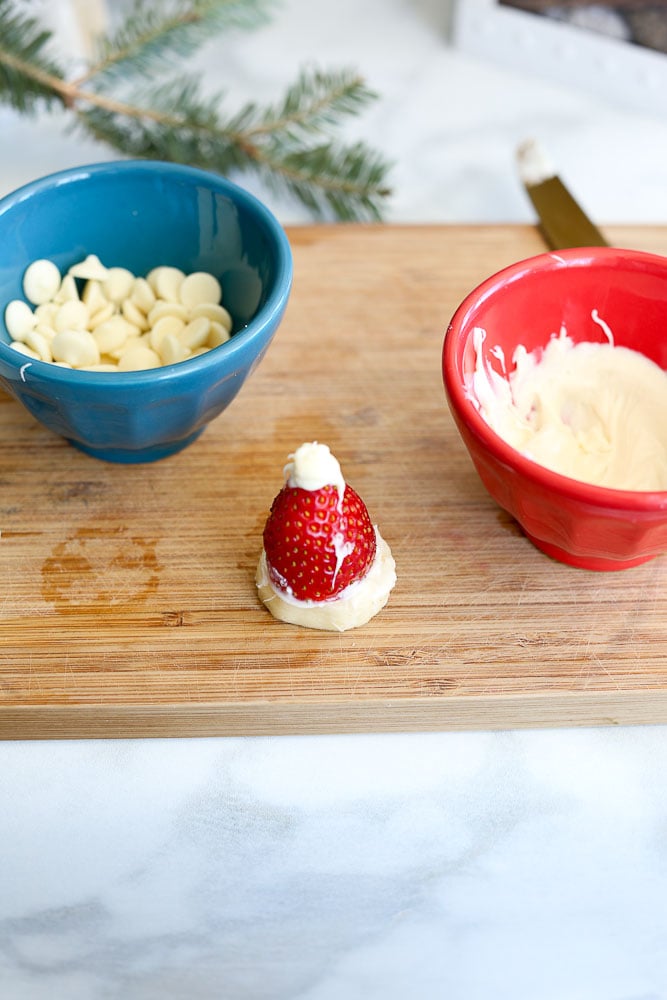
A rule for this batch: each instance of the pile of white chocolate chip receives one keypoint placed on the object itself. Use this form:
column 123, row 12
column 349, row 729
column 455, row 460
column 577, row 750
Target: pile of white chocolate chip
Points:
column 119, row 322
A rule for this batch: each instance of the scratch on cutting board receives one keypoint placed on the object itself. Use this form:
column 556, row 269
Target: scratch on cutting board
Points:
column 403, row 660
column 290, row 673
column 354, row 669
column 439, row 685
column 592, row 664
column 32, row 676
column 29, row 684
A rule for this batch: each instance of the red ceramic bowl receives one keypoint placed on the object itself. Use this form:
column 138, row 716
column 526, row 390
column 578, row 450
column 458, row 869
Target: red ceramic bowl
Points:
column 589, row 526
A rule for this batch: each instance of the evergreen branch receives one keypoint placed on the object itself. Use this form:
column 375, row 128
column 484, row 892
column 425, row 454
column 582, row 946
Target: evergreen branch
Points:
column 287, row 143
column 23, row 43
column 162, row 29
column 346, row 181
column 314, row 103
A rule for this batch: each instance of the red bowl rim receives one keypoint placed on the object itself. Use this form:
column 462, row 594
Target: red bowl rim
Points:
column 641, row 501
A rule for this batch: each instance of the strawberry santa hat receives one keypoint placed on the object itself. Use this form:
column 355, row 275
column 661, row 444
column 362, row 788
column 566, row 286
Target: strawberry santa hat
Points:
column 323, row 564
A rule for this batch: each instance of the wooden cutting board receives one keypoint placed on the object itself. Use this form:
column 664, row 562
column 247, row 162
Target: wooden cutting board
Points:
column 128, row 597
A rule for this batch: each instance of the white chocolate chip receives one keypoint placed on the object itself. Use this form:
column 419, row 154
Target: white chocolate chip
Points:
column 22, row 348
column 166, row 325
column 195, row 334
column 138, row 357
column 71, row 316
column 162, row 308
column 45, row 331
column 199, row 287
column 172, row 350
column 216, row 313
column 90, row 269
column 19, row 319
column 132, row 330
column 41, row 281
column 94, row 297
column 76, row 347
column 217, row 335
column 39, row 343
column 118, row 284
column 46, row 313
column 134, row 315
column 111, row 334
column 101, row 315
column 167, row 282
column 68, row 292
column 151, row 278
column 143, row 296
column 116, row 352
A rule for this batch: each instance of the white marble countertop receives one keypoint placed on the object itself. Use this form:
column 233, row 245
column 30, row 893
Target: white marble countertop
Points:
column 480, row 866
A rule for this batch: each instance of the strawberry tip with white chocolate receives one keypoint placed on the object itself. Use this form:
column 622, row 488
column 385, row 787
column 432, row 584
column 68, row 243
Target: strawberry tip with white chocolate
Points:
column 324, row 565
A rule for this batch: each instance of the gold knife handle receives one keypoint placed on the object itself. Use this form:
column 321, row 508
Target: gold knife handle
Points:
column 562, row 220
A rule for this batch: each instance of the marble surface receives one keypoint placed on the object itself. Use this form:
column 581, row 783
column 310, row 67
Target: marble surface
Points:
column 466, row 866
column 480, row 866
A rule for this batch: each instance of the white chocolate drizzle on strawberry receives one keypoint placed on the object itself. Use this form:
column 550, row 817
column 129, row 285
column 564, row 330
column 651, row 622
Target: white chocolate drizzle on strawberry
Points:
column 313, row 467
column 282, row 583
column 342, row 549
column 354, row 606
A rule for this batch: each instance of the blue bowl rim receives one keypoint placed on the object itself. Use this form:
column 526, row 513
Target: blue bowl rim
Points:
column 269, row 313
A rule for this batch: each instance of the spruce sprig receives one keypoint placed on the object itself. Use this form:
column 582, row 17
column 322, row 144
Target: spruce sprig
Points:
column 131, row 99
column 315, row 102
column 24, row 45
column 171, row 29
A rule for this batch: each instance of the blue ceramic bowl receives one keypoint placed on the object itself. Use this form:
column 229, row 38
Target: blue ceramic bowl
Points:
column 140, row 214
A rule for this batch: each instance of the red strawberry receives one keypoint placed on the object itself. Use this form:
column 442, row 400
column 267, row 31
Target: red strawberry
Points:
column 315, row 545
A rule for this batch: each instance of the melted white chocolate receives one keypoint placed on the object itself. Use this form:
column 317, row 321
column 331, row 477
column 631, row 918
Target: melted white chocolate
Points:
column 312, row 466
column 590, row 411
column 354, row 606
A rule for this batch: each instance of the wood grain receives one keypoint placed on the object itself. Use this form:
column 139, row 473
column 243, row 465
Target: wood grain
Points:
column 128, row 598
